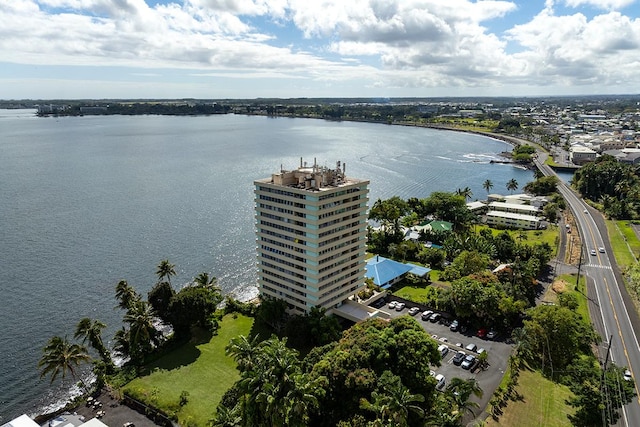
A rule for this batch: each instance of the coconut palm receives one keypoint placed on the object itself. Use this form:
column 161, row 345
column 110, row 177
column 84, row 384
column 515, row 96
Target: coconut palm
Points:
column 205, row 281
column 244, row 351
column 165, row 270
column 461, row 390
column 91, row 330
column 512, row 185
column 465, row 192
column 394, row 402
column 121, row 343
column 143, row 335
column 62, row 357
column 487, row 185
column 126, row 295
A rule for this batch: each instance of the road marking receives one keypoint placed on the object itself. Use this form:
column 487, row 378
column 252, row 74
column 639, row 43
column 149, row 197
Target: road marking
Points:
column 605, row 267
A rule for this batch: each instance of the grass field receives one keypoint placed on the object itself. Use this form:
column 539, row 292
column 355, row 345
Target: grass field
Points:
column 202, row 369
column 543, row 404
column 530, row 237
column 624, row 242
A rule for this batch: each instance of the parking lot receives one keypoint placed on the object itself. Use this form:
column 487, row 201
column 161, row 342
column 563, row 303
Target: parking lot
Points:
column 497, row 349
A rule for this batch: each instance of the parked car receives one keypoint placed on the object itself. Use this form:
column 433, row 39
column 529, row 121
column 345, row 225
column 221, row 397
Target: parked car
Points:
column 482, row 333
column 492, row 334
column 426, row 314
column 459, row 357
column 443, row 349
column 454, row 325
column 441, row 382
column 468, row 361
column 471, row 347
column 413, row 311
column 435, row 317
column 392, row 304
column 400, row 306
column 481, row 350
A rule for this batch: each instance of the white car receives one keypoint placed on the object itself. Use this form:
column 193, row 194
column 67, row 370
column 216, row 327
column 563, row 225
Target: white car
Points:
column 593, row 252
column 601, row 250
column 443, row 349
column 392, row 304
column 627, row 375
column 441, row 382
column 400, row 306
column 471, row 347
column 426, row 314
column 413, row 311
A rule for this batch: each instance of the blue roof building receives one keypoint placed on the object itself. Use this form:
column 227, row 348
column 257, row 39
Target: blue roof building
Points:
column 385, row 272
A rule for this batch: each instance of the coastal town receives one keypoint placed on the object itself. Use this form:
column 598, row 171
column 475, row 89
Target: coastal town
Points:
column 466, row 287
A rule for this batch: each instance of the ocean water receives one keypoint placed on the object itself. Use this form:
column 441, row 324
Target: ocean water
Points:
column 88, row 201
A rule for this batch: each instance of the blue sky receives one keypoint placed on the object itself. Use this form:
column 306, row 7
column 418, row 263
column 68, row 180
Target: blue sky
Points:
column 73, row 49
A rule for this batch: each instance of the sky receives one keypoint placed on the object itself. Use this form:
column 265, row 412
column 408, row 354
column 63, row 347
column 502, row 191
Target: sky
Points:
column 217, row 49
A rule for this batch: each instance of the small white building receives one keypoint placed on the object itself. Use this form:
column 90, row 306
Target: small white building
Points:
column 579, row 155
column 501, row 219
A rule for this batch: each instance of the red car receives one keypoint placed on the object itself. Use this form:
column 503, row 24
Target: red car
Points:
column 482, row 333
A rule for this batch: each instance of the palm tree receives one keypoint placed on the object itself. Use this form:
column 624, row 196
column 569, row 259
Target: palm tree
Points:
column 143, row 335
column 205, row 281
column 466, row 192
column 512, row 185
column 244, row 351
column 60, row 356
column 461, row 390
column 126, row 295
column 487, row 185
column 91, row 330
column 121, row 343
column 165, row 270
column 226, row 417
column 394, row 402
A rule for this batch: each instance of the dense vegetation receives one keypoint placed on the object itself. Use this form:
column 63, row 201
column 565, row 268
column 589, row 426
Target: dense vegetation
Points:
column 376, row 374
column 614, row 186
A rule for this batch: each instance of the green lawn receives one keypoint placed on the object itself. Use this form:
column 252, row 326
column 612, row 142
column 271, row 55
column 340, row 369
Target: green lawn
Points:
column 550, row 235
column 624, row 242
column 201, row 369
column 543, row 404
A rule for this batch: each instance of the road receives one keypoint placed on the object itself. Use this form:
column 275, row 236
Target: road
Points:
column 612, row 318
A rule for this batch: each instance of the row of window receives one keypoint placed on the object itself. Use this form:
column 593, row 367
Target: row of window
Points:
column 339, row 211
column 282, row 245
column 282, row 227
column 349, row 267
column 341, row 192
column 286, row 271
column 282, row 294
column 281, row 192
column 281, row 201
column 279, row 280
column 287, row 254
column 287, row 263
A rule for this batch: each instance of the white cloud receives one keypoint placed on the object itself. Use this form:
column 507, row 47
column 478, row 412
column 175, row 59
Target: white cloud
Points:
column 601, row 4
column 369, row 43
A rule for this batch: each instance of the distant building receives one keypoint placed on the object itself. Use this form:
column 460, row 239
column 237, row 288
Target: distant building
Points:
column 520, row 211
column 311, row 226
column 580, row 155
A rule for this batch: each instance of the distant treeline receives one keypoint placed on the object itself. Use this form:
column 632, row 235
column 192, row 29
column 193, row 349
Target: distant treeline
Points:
column 133, row 108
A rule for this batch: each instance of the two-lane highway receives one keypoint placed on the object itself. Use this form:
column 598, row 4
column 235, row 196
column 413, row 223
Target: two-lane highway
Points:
column 613, row 319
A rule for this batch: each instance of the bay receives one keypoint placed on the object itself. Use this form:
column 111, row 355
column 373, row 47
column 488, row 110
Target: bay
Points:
column 88, row 201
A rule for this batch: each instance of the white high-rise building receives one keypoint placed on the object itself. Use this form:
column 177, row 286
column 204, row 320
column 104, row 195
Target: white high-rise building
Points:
column 311, row 226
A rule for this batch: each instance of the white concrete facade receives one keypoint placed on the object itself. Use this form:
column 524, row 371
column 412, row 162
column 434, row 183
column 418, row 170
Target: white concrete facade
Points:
column 311, row 226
